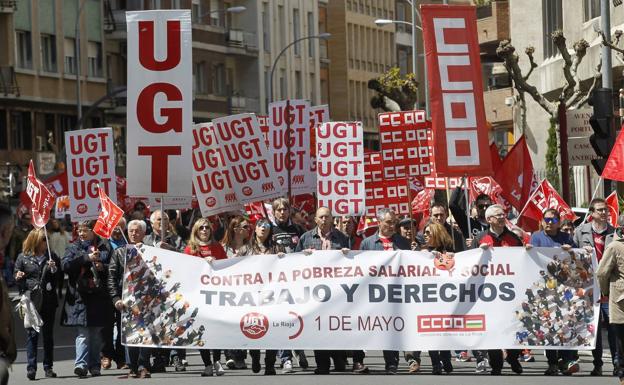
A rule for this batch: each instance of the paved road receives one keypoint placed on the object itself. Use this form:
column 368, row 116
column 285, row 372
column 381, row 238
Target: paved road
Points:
column 463, row 374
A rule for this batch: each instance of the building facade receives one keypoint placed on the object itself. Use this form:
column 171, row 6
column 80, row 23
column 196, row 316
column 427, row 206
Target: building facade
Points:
column 577, row 21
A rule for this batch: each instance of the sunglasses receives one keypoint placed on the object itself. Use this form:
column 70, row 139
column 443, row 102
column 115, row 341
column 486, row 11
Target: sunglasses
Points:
column 483, row 207
column 264, row 225
column 552, row 220
column 205, row 227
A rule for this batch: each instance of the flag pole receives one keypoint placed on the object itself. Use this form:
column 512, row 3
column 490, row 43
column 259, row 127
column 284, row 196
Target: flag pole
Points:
column 592, row 198
column 45, row 231
column 409, row 207
column 163, row 231
column 466, row 191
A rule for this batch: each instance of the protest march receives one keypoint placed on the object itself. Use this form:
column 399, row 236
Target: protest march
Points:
column 255, row 238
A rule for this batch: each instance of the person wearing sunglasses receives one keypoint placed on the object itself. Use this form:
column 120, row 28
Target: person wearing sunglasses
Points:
column 236, row 236
column 552, row 236
column 457, row 206
column 261, row 243
column 597, row 235
column 203, row 245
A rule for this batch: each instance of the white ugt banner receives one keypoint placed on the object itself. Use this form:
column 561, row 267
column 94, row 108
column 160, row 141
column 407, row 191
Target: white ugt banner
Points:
column 160, row 97
column 90, row 162
column 395, row 300
column 340, row 167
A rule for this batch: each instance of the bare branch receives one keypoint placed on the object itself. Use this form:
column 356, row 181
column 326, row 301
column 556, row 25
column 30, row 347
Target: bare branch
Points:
column 597, row 77
column 529, row 52
column 613, row 44
column 506, row 51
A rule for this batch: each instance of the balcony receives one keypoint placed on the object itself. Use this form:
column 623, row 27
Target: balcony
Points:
column 8, row 82
column 241, row 104
column 497, row 111
column 115, row 24
column 493, row 22
column 242, row 42
column 8, row 6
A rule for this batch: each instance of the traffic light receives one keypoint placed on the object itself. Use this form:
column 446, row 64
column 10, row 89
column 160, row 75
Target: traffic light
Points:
column 602, row 123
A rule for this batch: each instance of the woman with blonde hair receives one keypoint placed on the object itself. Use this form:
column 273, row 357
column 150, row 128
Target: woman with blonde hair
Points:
column 438, row 241
column 202, row 245
column 236, row 236
column 38, row 272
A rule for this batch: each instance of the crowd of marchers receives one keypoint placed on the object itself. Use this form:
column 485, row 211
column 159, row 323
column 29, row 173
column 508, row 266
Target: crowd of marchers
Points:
column 80, row 275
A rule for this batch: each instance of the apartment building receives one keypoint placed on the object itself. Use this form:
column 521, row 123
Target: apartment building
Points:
column 38, row 68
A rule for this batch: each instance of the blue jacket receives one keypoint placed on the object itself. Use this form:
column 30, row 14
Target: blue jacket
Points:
column 541, row 239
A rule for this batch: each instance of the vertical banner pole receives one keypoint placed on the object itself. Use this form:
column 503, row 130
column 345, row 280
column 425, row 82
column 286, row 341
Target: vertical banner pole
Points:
column 163, row 231
column 45, row 231
column 467, row 191
column 409, row 207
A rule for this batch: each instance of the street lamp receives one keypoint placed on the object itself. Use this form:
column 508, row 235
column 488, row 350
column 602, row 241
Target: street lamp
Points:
column 322, row 36
column 415, row 14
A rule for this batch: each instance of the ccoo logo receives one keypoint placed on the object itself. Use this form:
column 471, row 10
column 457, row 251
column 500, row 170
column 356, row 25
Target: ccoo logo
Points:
column 254, row 325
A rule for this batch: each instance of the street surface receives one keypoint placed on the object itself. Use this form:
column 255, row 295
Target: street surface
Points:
column 464, row 371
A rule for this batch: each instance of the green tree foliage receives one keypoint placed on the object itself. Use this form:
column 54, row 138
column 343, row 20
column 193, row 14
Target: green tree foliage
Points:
column 394, row 92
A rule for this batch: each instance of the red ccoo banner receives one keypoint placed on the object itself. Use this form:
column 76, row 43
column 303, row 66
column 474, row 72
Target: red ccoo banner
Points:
column 460, row 132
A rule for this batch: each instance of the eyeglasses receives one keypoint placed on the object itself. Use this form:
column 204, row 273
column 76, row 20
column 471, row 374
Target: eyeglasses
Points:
column 205, row 227
column 552, row 220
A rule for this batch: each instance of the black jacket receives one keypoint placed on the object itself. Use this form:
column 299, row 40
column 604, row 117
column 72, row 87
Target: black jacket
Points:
column 39, row 274
column 116, row 273
column 286, row 237
column 457, row 205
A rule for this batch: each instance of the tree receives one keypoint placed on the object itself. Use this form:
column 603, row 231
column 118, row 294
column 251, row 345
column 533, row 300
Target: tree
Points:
column 572, row 92
column 394, row 92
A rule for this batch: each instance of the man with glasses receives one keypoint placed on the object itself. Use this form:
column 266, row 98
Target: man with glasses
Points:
column 552, row 236
column 498, row 235
column 597, row 234
column 385, row 239
column 325, row 237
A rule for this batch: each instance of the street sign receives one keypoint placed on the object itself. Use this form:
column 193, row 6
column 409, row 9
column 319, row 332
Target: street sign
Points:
column 580, row 152
column 578, row 123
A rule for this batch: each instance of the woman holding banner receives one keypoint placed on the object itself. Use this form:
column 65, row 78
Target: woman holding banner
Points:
column 261, row 243
column 203, row 245
column 38, row 272
column 440, row 244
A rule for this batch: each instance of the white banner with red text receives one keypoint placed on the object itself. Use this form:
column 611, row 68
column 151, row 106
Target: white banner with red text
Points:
column 394, row 300
column 160, row 103
column 90, row 163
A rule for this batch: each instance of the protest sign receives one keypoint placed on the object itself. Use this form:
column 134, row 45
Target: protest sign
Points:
column 160, row 103
column 211, row 179
column 373, row 167
column 41, row 198
column 246, row 157
column 406, row 145
column 392, row 194
column 460, row 130
column 502, row 298
column 61, row 207
column 90, row 163
column 293, row 115
column 340, row 167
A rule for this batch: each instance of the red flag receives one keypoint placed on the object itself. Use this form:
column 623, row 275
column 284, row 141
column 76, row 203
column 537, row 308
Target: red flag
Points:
column 614, row 208
column 487, row 185
column 422, row 202
column 615, row 163
column 367, row 226
column 497, row 162
column 545, row 197
column 516, row 174
column 110, row 215
column 41, row 198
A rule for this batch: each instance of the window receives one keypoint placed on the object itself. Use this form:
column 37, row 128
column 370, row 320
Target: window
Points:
column 311, row 42
column 402, row 53
column 196, row 11
column 21, row 130
column 552, row 21
column 94, row 57
column 48, row 53
column 3, row 131
column 282, row 86
column 296, row 31
column 400, row 10
column 215, row 17
column 199, row 78
column 591, row 9
column 266, row 28
column 218, row 79
column 70, row 55
column 282, row 26
column 24, row 49
column 298, row 85
column 312, row 89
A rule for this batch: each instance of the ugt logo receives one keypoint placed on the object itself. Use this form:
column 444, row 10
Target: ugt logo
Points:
column 254, row 325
